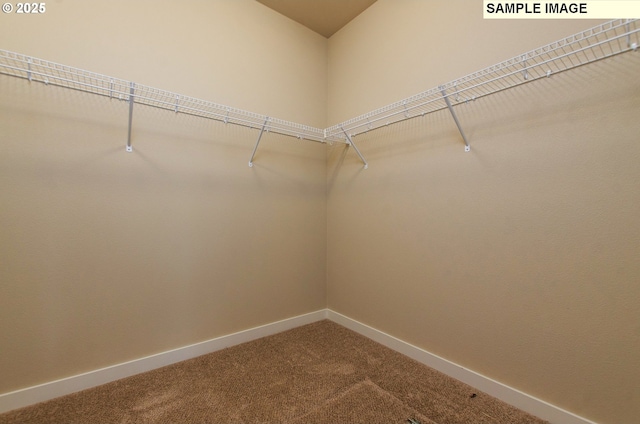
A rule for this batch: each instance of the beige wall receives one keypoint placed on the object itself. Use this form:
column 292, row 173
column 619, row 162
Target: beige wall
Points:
column 109, row 256
column 396, row 49
column 519, row 259
column 233, row 52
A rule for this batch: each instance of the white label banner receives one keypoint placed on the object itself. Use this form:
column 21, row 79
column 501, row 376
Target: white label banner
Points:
column 586, row 9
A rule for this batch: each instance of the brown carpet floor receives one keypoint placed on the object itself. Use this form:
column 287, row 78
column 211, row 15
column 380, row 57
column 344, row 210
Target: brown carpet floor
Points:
column 317, row 373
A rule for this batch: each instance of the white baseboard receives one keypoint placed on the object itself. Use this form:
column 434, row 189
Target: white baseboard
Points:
column 523, row 401
column 65, row 386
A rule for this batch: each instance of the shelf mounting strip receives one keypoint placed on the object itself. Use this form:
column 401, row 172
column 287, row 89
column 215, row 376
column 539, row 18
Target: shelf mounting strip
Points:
column 594, row 44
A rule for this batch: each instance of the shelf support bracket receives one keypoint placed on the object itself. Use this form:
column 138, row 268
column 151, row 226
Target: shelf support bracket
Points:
column 633, row 46
column 258, row 142
column 366, row 165
column 131, row 101
column 455, row 118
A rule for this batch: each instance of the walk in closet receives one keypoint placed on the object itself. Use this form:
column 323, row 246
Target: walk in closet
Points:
column 180, row 177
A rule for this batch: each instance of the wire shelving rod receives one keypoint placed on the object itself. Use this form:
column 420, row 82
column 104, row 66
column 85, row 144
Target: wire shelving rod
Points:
column 594, row 44
column 50, row 73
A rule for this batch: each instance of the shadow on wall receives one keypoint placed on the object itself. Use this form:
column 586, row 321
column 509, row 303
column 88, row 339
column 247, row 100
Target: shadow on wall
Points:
column 541, row 103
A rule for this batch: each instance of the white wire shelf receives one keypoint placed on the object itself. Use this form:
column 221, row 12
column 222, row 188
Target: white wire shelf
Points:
column 594, row 44
column 597, row 43
column 50, row 73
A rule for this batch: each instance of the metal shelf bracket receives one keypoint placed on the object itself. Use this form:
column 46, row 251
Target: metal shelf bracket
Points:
column 455, row 118
column 131, row 101
column 366, row 165
column 258, row 142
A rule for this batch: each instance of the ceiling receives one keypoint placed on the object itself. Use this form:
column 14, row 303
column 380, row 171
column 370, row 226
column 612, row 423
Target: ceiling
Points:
column 325, row 17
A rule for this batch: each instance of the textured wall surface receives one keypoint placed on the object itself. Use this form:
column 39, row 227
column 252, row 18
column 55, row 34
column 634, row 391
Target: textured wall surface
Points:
column 109, row 256
column 518, row 259
column 236, row 53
